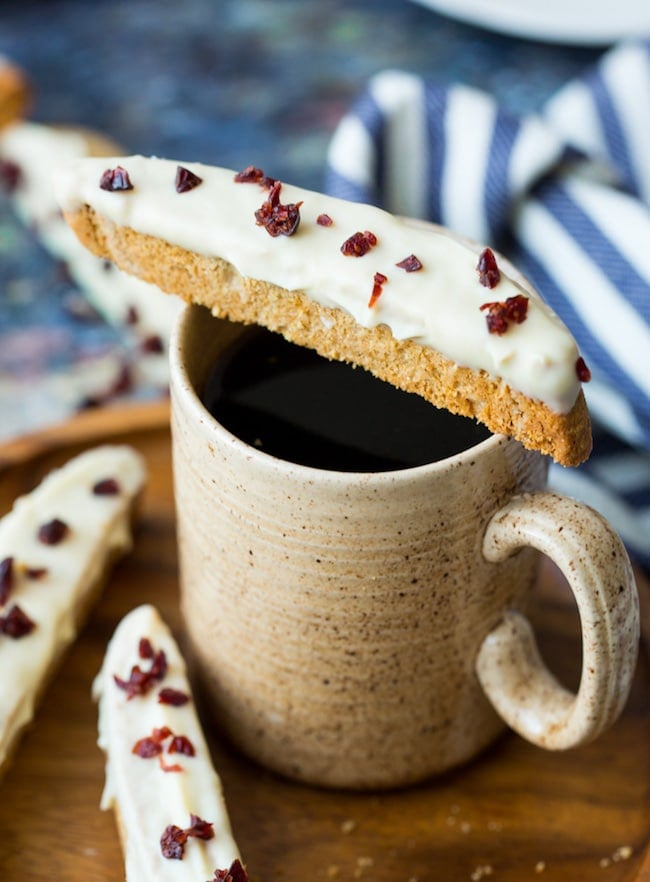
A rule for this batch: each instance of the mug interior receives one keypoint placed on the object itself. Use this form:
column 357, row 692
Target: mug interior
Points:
column 198, row 339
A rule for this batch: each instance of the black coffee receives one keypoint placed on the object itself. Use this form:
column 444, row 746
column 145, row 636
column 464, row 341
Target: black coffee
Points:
column 292, row 403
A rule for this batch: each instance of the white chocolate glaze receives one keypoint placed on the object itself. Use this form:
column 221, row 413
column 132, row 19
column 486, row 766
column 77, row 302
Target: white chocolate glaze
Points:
column 438, row 306
column 36, row 149
column 146, row 798
column 99, row 530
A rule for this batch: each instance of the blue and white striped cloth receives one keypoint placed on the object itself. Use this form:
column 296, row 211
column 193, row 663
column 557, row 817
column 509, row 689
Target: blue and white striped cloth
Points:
column 565, row 194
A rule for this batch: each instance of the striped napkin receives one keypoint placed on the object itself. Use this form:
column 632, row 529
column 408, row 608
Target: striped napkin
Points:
column 565, row 194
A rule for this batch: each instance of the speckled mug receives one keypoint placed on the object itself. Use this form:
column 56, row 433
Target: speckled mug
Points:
column 369, row 630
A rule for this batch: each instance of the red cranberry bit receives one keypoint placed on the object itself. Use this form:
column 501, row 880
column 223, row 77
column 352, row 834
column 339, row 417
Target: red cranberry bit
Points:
column 152, row 745
column 132, row 316
column 253, row 175
column 500, row 315
column 107, row 487
column 146, row 748
column 411, row 264
column 488, row 271
column 250, row 175
column 6, row 579
column 324, row 220
column 115, row 179
column 36, row 572
column 582, row 371
column 53, row 532
column 359, row 244
column 16, row 623
column 517, row 308
column 235, row 873
column 172, row 843
column 186, row 180
column 173, row 839
column 145, row 649
column 276, row 218
column 199, row 828
column 141, row 682
column 10, row 175
column 152, row 344
column 181, row 744
column 174, row 697
column 377, row 288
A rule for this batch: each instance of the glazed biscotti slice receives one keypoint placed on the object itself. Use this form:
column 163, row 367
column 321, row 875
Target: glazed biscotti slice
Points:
column 160, row 781
column 28, row 153
column 409, row 302
column 57, row 545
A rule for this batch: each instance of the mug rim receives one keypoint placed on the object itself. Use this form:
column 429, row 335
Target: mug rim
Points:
column 182, row 386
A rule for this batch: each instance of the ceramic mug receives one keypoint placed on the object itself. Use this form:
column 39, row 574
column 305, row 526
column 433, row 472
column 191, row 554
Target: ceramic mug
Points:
column 369, row 630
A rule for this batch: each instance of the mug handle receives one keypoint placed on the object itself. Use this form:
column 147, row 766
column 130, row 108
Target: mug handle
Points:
column 509, row 666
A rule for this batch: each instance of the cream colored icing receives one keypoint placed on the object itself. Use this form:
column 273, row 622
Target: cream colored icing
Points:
column 37, row 149
column 99, row 528
column 438, row 306
column 146, row 798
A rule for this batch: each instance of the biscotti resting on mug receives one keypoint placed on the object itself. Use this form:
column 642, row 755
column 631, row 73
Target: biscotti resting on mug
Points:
column 409, row 302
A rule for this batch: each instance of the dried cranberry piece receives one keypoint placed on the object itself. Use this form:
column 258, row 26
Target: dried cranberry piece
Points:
column 377, row 288
column 153, row 343
column 174, row 697
column 36, row 572
column 181, row 744
column 488, row 271
column 253, row 175
column 107, row 487
column 501, row 314
column 173, row 839
column 582, row 371
column 359, row 244
column 115, row 179
column 122, row 383
column 53, row 532
column 235, row 873
column 411, row 264
column 16, row 623
column 324, row 220
column 132, row 316
column 10, row 175
column 199, row 828
column 141, row 682
column 6, row 579
column 145, row 649
column 172, row 843
column 276, row 218
column 250, row 175
column 146, row 748
column 186, row 180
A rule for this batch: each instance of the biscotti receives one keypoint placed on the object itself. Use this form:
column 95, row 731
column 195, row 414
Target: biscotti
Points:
column 57, row 545
column 30, row 150
column 409, row 302
column 160, row 781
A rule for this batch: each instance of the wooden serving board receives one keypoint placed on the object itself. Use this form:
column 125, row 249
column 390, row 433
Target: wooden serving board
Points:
column 516, row 813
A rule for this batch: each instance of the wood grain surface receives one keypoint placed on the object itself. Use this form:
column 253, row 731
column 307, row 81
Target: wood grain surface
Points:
column 516, row 813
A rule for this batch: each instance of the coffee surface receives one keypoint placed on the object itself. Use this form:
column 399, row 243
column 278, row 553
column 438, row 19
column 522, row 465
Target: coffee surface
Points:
column 295, row 405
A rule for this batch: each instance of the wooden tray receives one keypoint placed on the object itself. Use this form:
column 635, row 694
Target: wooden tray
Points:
column 517, row 813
